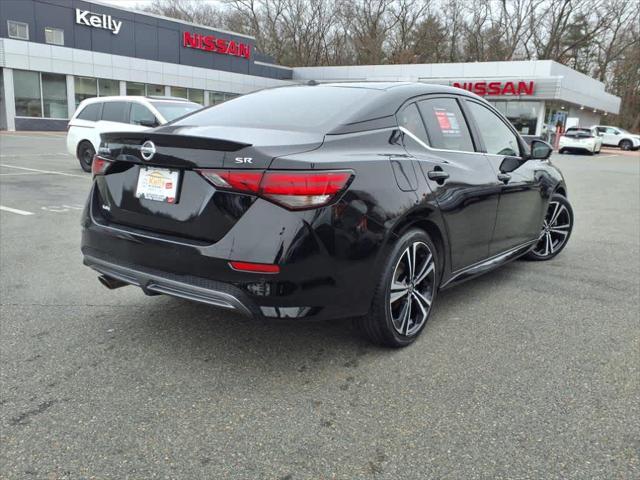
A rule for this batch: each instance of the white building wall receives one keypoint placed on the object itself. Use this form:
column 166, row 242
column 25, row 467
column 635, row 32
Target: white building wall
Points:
column 21, row 55
column 555, row 81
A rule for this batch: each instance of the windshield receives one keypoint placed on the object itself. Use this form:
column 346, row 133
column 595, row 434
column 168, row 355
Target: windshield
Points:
column 173, row 110
column 285, row 108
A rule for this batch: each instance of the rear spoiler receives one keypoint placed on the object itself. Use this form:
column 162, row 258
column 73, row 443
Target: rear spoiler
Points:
column 171, row 140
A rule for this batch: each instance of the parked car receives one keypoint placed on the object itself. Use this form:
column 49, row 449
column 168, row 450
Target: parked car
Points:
column 577, row 139
column 328, row 201
column 618, row 137
column 95, row 116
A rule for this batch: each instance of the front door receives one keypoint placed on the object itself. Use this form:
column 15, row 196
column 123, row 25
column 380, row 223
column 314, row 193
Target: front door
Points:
column 522, row 204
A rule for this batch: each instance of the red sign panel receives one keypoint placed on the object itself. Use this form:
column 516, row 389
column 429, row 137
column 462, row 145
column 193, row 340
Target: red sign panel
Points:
column 497, row 88
column 209, row 43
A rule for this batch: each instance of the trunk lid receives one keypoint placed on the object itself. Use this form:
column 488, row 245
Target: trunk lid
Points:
column 199, row 212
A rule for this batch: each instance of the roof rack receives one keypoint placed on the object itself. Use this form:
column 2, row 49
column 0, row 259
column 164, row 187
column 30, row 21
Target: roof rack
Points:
column 162, row 97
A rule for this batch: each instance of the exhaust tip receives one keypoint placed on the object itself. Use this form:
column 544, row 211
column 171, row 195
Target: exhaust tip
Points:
column 110, row 282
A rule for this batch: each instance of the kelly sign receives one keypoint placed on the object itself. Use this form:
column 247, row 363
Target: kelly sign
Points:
column 209, row 43
column 98, row 20
column 497, row 88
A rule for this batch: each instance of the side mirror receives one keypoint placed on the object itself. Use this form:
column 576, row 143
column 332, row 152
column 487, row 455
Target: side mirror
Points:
column 540, row 150
column 149, row 123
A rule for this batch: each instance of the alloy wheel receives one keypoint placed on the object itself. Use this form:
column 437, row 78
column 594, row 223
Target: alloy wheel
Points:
column 412, row 289
column 555, row 230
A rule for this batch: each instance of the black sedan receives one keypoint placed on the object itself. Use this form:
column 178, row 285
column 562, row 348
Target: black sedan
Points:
column 357, row 200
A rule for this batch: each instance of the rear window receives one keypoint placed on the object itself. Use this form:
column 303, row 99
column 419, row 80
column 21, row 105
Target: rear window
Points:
column 285, row 108
column 579, row 132
column 116, row 112
column 91, row 112
column 172, row 110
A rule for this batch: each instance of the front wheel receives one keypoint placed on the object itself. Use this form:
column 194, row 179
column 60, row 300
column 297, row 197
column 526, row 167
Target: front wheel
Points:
column 556, row 230
column 85, row 155
column 405, row 292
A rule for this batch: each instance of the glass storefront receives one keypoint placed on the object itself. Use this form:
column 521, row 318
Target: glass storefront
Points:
column 179, row 92
column 27, row 93
column 85, row 88
column 134, row 88
column 155, row 90
column 40, row 94
column 523, row 115
column 108, row 87
column 196, row 95
column 219, row 97
column 54, row 95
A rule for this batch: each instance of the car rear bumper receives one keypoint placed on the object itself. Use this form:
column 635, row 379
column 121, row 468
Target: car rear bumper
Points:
column 324, row 273
column 153, row 282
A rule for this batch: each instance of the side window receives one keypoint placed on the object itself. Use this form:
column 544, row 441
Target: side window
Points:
column 446, row 126
column 410, row 119
column 115, row 112
column 498, row 138
column 91, row 112
column 141, row 115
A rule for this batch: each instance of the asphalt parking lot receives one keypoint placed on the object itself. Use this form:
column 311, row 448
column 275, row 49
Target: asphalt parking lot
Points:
column 532, row 371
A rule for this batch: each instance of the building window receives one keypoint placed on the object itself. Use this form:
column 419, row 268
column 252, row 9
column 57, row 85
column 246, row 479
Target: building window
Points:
column 196, row 96
column 54, row 36
column 523, row 115
column 40, row 94
column 54, row 95
column 219, row 97
column 27, row 93
column 19, row 30
column 179, row 92
column 85, row 88
column 108, row 87
column 155, row 90
column 135, row 88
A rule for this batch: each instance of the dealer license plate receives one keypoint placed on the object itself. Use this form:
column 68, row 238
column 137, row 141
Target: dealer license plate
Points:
column 158, row 184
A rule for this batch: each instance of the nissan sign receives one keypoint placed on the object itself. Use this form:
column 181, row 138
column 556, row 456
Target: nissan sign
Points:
column 497, row 88
column 209, row 43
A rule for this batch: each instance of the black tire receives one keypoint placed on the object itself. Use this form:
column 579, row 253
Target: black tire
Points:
column 555, row 231
column 625, row 145
column 85, row 155
column 385, row 324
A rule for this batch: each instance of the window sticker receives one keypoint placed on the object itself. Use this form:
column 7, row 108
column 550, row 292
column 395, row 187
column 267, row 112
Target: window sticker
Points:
column 448, row 122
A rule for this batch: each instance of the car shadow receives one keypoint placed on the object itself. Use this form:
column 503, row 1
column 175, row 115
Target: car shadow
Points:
column 188, row 332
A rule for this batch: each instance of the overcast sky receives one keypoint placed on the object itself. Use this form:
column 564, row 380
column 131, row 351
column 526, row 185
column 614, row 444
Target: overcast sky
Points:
column 137, row 4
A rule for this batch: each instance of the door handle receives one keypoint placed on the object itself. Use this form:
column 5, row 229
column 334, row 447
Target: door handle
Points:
column 438, row 175
column 504, row 177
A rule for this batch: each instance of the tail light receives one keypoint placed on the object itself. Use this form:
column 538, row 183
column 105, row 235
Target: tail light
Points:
column 255, row 267
column 295, row 190
column 99, row 165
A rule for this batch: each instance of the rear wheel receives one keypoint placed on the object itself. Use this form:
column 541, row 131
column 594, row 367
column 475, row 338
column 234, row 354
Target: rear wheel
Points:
column 85, row 155
column 405, row 292
column 556, row 229
column 626, row 144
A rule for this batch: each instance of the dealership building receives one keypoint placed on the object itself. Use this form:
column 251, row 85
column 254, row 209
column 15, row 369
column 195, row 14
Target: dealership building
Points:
column 56, row 53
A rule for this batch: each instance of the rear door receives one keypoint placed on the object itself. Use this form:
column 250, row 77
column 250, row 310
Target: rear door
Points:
column 116, row 116
column 522, row 201
column 461, row 179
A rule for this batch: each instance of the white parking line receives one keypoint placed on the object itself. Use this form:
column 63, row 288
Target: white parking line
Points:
column 18, row 174
column 43, row 171
column 15, row 210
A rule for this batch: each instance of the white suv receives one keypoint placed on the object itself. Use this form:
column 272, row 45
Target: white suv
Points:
column 112, row 114
column 618, row 137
